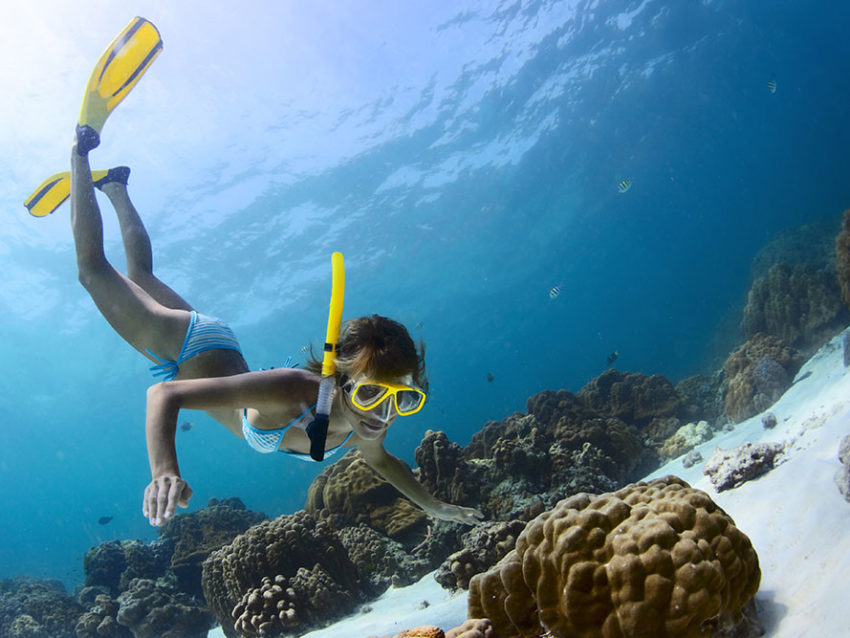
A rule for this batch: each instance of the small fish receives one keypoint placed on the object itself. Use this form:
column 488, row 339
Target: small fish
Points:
column 771, row 85
column 305, row 349
column 613, row 357
column 624, row 186
column 186, row 426
column 419, row 325
column 490, row 377
column 104, row 520
column 554, row 291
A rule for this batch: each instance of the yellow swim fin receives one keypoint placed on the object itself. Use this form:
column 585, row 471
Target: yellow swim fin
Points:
column 115, row 74
column 53, row 192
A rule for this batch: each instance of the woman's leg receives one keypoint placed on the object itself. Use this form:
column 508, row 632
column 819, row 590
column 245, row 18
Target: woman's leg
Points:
column 137, row 248
column 133, row 313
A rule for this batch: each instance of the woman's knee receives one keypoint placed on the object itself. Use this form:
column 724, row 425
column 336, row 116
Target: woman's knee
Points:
column 92, row 271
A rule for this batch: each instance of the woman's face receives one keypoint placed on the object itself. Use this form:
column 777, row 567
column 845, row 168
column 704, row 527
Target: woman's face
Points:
column 370, row 424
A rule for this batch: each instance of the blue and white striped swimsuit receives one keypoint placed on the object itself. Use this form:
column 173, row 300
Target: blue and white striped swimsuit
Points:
column 204, row 333
column 268, row 441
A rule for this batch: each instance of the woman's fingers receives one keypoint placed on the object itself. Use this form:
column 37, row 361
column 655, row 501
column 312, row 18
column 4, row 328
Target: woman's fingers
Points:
column 162, row 496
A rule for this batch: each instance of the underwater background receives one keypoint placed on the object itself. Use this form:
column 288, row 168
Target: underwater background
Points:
column 465, row 157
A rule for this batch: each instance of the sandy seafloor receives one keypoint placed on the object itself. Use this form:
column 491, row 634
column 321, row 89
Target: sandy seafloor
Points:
column 795, row 516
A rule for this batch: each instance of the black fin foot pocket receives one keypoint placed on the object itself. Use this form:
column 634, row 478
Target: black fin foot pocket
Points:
column 118, row 174
column 87, row 139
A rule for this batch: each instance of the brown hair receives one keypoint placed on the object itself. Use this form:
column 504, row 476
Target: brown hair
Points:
column 376, row 347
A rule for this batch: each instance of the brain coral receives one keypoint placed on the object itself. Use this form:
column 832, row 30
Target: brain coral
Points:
column 652, row 559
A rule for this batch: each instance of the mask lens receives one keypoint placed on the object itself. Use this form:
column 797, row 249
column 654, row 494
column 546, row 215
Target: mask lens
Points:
column 408, row 400
column 369, row 394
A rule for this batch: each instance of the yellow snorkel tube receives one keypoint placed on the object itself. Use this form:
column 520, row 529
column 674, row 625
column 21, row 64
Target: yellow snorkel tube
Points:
column 318, row 428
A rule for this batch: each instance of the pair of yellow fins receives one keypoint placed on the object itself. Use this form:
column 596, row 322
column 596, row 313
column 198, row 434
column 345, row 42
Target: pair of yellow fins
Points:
column 119, row 69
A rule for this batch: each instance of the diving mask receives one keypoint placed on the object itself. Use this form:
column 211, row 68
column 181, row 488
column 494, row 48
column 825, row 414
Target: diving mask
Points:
column 369, row 395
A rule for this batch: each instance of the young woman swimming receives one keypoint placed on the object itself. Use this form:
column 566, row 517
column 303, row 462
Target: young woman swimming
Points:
column 379, row 371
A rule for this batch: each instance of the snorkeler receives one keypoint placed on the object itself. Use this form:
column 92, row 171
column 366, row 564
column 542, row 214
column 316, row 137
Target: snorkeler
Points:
column 379, row 371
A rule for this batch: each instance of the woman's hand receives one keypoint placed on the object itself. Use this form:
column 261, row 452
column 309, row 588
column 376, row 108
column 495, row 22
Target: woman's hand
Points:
column 162, row 497
column 457, row 514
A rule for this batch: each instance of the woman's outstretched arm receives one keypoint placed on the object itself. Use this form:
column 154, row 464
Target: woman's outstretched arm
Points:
column 399, row 474
column 167, row 488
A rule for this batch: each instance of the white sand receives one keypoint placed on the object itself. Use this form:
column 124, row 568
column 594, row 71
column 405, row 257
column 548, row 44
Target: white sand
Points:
column 797, row 520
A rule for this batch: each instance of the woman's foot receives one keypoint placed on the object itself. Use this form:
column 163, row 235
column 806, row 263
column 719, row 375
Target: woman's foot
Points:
column 117, row 175
column 86, row 139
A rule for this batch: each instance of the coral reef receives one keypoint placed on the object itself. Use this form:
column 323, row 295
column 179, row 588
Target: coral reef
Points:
column 842, row 476
column 745, row 395
column 730, row 468
column 381, row 561
column 812, row 244
column 444, row 471
column 112, row 565
column 484, row 546
column 686, row 438
column 652, row 559
column 351, row 492
column 101, row 620
column 297, row 561
column 634, row 398
column 703, row 398
column 196, row 535
column 31, row 608
column 800, row 305
column 842, row 257
column 157, row 609
column 615, row 446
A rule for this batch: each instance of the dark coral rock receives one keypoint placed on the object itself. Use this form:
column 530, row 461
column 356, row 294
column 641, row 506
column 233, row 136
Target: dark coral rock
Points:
column 352, row 493
column 518, row 447
column 195, row 536
column 548, row 406
column 800, row 305
column 280, row 606
column 295, row 552
column 31, row 608
column 634, row 398
column 660, row 430
column 381, row 561
column 703, row 397
column 104, row 564
column 614, row 448
column 842, row 258
column 742, row 390
column 101, row 620
column 444, row 471
column 484, row 546
column 114, row 564
column 157, row 609
column 560, row 447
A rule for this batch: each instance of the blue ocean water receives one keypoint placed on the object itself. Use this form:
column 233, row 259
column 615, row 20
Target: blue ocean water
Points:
column 465, row 157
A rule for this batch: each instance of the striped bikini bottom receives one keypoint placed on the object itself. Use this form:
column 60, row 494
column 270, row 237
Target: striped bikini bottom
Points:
column 204, row 333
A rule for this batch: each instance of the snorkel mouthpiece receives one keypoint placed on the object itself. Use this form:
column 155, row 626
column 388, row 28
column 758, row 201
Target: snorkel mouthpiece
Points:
column 318, row 428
